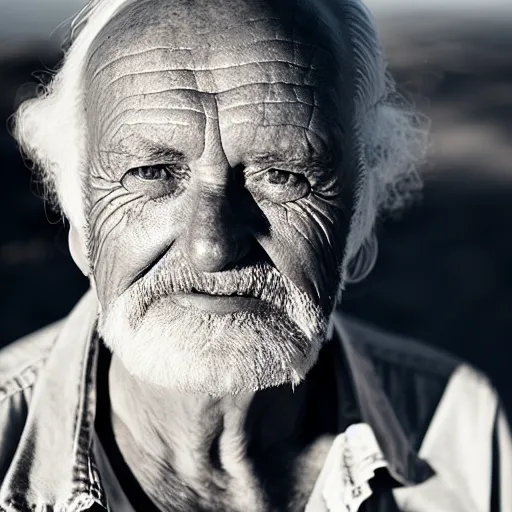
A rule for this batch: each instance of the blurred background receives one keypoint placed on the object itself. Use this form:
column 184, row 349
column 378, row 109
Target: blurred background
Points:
column 444, row 273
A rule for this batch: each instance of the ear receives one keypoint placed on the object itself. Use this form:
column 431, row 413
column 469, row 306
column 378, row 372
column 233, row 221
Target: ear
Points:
column 77, row 251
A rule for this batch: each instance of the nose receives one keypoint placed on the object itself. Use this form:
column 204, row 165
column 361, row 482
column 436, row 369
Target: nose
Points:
column 216, row 237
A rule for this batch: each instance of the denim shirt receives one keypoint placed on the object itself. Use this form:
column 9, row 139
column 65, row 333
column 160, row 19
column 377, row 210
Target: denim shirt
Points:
column 433, row 423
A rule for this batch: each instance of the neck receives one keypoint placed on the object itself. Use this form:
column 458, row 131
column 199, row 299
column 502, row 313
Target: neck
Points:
column 214, row 430
column 230, row 444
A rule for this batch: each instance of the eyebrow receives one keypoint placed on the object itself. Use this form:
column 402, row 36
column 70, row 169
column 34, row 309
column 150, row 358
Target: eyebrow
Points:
column 148, row 150
column 164, row 153
column 287, row 156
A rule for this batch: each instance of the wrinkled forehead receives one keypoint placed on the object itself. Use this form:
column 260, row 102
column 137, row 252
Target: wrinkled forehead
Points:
column 222, row 24
column 263, row 63
column 201, row 34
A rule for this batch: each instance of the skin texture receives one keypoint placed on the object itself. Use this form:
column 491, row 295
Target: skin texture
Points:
column 250, row 452
column 215, row 166
column 246, row 98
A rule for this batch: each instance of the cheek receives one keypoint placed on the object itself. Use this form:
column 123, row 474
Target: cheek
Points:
column 306, row 243
column 126, row 240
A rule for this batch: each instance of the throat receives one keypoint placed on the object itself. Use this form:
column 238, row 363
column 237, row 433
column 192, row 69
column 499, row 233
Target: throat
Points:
column 188, row 474
column 186, row 452
column 247, row 452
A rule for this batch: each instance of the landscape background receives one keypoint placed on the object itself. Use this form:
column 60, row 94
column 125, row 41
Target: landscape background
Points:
column 444, row 273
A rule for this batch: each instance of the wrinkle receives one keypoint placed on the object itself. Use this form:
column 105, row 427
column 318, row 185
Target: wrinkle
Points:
column 97, row 228
column 147, row 109
column 117, row 60
column 326, row 207
column 210, row 70
column 147, row 92
column 315, row 247
column 143, row 96
column 257, row 125
column 94, row 176
column 215, row 31
column 229, row 90
column 113, row 261
column 238, row 90
column 317, row 215
column 173, row 124
column 227, row 49
column 265, row 102
column 107, row 197
column 328, row 190
column 297, row 221
column 107, row 187
column 97, row 251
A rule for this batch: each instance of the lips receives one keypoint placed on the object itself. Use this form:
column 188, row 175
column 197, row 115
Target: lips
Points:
column 220, row 293
column 220, row 304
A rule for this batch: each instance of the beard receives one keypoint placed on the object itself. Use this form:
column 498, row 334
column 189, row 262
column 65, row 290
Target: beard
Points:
column 166, row 344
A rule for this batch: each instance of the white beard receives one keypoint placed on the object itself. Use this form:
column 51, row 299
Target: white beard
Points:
column 168, row 345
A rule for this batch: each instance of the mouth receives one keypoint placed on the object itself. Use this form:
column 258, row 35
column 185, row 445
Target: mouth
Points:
column 220, row 304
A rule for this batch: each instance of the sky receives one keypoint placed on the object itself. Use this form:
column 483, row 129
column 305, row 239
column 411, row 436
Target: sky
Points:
column 20, row 18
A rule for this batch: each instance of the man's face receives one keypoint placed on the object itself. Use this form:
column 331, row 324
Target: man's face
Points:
column 215, row 212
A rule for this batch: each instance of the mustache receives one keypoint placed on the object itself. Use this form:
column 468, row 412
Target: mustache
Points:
column 260, row 280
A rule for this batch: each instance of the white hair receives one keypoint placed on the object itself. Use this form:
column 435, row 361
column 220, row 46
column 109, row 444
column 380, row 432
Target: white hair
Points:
column 387, row 138
column 51, row 129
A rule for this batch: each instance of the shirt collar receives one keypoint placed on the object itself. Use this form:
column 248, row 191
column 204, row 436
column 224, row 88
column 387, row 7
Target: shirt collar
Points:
column 404, row 464
column 54, row 463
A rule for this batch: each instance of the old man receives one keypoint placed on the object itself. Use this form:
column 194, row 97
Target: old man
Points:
column 221, row 165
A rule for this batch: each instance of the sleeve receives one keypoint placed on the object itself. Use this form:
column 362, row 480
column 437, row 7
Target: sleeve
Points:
column 501, row 490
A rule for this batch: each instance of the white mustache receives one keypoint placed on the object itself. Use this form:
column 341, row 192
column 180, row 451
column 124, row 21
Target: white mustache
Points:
column 260, row 281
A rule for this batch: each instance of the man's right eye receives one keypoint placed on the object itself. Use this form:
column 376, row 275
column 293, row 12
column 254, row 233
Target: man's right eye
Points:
column 152, row 172
column 156, row 180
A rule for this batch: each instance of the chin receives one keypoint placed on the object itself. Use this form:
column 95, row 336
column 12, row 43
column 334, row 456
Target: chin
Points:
column 197, row 352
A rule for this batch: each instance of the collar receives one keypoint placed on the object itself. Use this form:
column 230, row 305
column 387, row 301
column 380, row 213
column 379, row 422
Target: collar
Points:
column 54, row 465
column 404, row 464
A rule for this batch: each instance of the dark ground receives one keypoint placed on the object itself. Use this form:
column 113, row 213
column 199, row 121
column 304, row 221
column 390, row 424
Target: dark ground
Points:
column 444, row 272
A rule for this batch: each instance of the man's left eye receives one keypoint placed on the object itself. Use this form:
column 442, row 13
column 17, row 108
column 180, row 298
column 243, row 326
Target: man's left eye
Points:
column 278, row 185
column 279, row 177
column 152, row 172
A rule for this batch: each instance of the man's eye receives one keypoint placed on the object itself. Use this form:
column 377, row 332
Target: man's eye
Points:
column 278, row 185
column 156, row 180
column 152, row 172
column 278, row 177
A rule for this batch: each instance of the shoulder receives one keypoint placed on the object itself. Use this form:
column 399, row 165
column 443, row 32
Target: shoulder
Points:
column 21, row 363
column 21, row 360
column 450, row 413
column 426, row 386
column 393, row 350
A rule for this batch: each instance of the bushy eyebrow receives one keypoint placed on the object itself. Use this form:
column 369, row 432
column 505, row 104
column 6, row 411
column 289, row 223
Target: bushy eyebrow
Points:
column 164, row 153
column 148, row 151
column 268, row 159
